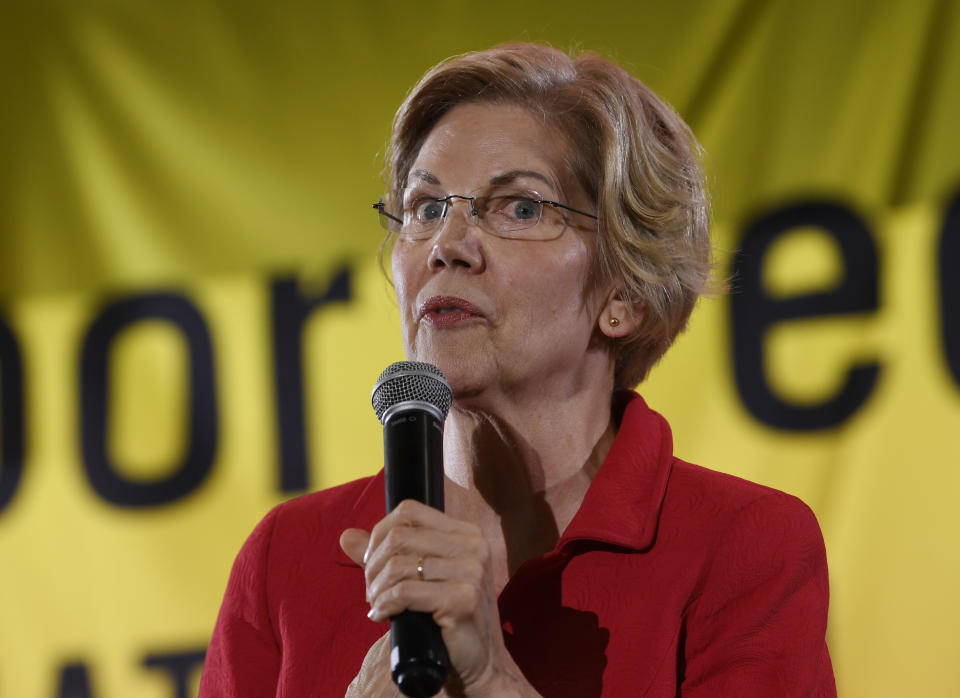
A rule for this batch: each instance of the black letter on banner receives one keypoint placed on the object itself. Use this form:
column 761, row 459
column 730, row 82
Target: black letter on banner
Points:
column 754, row 312
column 74, row 682
column 179, row 665
column 291, row 309
column 11, row 415
column 949, row 260
column 94, row 408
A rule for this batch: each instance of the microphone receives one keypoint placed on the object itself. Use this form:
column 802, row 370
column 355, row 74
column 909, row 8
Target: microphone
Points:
column 411, row 400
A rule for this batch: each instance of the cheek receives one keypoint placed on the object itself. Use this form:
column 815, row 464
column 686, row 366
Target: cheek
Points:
column 406, row 266
column 556, row 293
column 401, row 270
column 571, row 279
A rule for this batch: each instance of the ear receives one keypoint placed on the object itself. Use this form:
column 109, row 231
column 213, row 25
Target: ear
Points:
column 619, row 318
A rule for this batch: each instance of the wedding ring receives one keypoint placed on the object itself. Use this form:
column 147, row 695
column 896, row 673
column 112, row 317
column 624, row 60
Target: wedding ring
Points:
column 420, row 569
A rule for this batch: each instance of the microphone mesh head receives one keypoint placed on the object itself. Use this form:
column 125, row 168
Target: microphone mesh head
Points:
column 406, row 381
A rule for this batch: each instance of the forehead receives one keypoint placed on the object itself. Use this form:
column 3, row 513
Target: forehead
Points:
column 474, row 143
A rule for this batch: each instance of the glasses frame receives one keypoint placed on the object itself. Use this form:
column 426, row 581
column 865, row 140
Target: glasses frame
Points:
column 397, row 223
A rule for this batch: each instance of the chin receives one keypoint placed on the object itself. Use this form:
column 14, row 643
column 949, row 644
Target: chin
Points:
column 467, row 372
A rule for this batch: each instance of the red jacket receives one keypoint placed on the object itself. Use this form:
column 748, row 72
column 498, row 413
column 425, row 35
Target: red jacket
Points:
column 671, row 580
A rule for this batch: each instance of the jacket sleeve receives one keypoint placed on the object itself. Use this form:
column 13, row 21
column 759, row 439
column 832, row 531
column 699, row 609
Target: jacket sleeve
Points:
column 243, row 658
column 758, row 626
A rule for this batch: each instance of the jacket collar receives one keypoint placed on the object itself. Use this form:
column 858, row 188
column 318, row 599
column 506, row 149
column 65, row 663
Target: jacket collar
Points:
column 622, row 505
column 367, row 510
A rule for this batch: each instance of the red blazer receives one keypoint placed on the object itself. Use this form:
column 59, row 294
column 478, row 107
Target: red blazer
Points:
column 671, row 580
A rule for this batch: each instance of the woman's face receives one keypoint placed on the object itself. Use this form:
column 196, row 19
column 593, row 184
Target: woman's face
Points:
column 498, row 315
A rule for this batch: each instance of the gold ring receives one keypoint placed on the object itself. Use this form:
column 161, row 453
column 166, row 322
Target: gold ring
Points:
column 420, row 569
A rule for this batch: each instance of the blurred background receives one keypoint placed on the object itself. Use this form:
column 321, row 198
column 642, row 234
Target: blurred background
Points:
column 192, row 315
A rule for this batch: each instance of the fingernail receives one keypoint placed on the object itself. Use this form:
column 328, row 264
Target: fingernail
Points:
column 366, row 554
column 371, row 614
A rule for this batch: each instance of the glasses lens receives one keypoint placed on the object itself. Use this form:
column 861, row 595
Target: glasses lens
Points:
column 421, row 211
column 388, row 213
column 511, row 213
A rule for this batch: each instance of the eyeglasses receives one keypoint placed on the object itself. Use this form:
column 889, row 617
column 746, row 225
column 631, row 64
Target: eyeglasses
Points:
column 515, row 214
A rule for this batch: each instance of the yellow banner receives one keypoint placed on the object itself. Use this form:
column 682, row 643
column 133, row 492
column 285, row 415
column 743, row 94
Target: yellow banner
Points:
column 192, row 315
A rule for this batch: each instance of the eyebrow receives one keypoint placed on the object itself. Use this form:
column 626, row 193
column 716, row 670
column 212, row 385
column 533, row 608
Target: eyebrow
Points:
column 426, row 176
column 508, row 177
column 499, row 180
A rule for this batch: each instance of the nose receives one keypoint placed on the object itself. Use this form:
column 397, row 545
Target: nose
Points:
column 458, row 242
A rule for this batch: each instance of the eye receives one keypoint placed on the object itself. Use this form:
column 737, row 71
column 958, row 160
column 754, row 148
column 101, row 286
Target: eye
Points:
column 524, row 209
column 428, row 209
column 521, row 208
column 422, row 205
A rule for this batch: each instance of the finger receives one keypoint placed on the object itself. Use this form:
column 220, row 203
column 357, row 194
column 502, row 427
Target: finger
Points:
column 449, row 602
column 418, row 515
column 409, row 542
column 435, row 569
column 353, row 542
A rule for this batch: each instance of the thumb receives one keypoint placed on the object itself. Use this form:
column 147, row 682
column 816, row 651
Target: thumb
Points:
column 353, row 542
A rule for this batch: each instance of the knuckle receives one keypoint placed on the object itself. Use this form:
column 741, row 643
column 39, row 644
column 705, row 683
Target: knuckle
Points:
column 475, row 569
column 467, row 597
column 481, row 550
column 399, row 591
column 392, row 570
column 396, row 540
column 379, row 529
column 405, row 510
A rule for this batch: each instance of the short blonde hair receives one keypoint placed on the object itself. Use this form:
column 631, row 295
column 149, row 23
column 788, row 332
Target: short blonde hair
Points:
column 632, row 155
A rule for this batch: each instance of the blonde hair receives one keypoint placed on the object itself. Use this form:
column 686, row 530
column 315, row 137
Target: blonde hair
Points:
column 632, row 155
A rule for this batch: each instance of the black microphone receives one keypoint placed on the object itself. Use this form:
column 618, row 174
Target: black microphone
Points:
column 411, row 400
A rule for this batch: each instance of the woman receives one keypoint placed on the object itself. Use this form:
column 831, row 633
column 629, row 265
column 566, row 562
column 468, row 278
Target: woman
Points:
column 551, row 239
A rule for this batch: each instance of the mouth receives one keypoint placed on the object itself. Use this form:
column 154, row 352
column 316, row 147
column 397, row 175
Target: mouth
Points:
column 447, row 311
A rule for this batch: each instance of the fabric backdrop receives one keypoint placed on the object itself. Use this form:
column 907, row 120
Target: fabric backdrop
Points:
column 192, row 315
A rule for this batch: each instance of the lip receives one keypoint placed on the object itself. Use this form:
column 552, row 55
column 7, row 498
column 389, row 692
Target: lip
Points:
column 448, row 311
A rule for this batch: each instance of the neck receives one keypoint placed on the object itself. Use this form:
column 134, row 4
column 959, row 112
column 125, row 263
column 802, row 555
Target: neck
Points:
column 520, row 469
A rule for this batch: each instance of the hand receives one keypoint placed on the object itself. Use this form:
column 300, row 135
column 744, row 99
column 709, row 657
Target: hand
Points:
column 457, row 588
column 374, row 680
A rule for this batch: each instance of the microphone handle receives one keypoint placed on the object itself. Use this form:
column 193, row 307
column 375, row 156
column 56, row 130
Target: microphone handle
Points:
column 413, row 469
